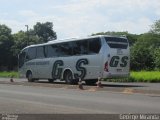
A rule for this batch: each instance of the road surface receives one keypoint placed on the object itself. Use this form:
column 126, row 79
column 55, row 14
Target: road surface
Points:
column 38, row 99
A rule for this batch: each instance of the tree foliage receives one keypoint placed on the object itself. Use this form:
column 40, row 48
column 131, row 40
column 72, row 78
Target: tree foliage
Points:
column 6, row 42
column 21, row 40
column 12, row 44
column 45, row 31
column 141, row 57
column 157, row 58
column 155, row 28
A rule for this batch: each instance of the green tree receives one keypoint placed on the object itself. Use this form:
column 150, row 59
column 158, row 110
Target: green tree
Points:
column 141, row 57
column 21, row 41
column 6, row 43
column 157, row 58
column 150, row 40
column 45, row 31
column 143, row 52
column 155, row 28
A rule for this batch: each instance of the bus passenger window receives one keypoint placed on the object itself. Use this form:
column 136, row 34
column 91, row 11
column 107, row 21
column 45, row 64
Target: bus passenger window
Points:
column 84, row 47
column 31, row 53
column 64, row 49
column 52, row 50
column 80, row 47
column 22, row 58
column 76, row 48
column 94, row 45
column 40, row 52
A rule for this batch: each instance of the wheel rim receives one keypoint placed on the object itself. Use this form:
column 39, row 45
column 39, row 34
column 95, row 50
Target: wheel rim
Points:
column 30, row 77
column 68, row 78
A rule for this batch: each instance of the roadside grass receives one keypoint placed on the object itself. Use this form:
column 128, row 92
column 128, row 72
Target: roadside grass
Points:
column 145, row 76
column 9, row 74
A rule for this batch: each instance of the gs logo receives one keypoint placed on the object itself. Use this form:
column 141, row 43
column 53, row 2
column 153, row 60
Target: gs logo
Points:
column 58, row 68
column 115, row 61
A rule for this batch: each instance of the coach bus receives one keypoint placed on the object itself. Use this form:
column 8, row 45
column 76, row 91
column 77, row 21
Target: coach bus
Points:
column 87, row 59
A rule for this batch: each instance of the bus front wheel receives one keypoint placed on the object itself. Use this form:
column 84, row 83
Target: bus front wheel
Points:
column 30, row 77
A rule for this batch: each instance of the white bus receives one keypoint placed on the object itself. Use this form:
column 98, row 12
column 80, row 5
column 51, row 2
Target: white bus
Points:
column 87, row 58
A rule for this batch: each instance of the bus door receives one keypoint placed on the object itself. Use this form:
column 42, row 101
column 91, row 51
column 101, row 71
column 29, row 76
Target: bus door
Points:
column 30, row 61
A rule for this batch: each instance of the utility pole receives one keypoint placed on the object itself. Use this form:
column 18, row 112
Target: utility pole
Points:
column 27, row 35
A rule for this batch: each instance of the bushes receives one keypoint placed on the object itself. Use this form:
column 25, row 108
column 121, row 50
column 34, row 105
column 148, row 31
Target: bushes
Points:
column 142, row 58
column 145, row 53
column 157, row 58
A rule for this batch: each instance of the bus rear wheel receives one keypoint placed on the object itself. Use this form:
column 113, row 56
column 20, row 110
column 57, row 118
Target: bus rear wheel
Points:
column 30, row 77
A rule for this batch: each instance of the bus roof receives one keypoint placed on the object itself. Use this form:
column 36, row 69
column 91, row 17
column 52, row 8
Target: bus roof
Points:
column 71, row 39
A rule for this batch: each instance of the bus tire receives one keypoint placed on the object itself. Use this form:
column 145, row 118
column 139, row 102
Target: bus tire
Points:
column 68, row 77
column 91, row 82
column 29, row 76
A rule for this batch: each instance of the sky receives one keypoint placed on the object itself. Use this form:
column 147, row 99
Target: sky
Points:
column 78, row 18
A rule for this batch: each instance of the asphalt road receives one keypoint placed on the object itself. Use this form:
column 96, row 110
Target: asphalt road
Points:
column 38, row 99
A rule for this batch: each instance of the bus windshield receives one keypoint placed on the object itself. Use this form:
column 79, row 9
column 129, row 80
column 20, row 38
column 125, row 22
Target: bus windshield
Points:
column 115, row 42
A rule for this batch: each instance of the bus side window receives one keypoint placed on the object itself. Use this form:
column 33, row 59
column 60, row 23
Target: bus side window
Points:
column 31, row 54
column 76, row 48
column 80, row 47
column 64, row 49
column 84, row 47
column 22, row 58
column 40, row 52
column 51, row 51
column 94, row 45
